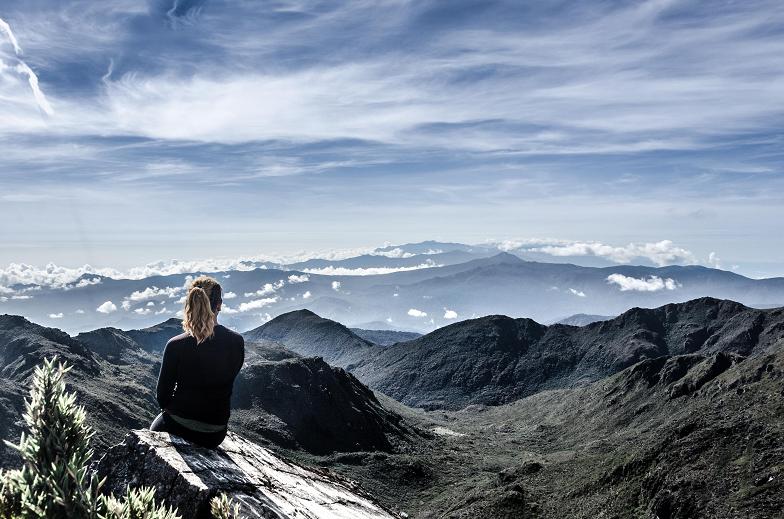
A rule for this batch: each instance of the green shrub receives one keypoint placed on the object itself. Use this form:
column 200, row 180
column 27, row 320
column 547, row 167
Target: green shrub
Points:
column 222, row 508
column 54, row 481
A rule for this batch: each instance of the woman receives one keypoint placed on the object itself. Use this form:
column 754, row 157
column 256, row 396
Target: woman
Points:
column 198, row 370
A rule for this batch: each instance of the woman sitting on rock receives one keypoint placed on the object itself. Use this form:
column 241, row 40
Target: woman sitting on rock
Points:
column 198, row 370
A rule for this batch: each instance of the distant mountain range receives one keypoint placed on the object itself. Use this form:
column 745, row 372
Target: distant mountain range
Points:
column 583, row 319
column 414, row 287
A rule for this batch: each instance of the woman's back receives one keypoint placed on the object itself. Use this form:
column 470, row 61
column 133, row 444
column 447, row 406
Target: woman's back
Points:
column 196, row 380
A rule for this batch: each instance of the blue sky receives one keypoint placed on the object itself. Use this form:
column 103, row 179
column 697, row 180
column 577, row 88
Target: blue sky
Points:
column 133, row 131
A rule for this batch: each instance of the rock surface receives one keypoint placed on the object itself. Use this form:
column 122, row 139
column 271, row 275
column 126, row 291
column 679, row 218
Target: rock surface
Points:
column 263, row 484
column 307, row 403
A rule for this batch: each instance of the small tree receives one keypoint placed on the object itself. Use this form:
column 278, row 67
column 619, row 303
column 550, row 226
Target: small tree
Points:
column 54, row 481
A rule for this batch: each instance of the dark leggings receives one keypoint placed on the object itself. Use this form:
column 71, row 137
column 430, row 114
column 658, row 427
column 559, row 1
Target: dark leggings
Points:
column 164, row 423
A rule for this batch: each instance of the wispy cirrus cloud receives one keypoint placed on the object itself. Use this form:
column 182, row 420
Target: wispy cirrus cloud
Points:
column 510, row 109
column 579, row 78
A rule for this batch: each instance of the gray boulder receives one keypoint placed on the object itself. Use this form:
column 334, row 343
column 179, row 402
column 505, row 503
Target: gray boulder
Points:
column 262, row 483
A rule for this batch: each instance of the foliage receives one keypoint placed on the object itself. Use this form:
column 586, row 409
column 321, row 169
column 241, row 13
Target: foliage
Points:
column 136, row 504
column 54, row 480
column 222, row 508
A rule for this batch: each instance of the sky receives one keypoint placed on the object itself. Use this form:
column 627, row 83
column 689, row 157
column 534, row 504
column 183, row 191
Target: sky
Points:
column 135, row 131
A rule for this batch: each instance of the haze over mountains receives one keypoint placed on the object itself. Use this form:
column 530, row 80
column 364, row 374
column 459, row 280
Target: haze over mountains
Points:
column 413, row 287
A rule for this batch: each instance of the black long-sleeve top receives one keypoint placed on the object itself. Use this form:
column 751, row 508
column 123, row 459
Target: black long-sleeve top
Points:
column 196, row 380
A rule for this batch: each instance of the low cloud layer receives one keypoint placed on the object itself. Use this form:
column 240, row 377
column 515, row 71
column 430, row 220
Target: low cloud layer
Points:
column 651, row 284
column 257, row 304
column 661, row 253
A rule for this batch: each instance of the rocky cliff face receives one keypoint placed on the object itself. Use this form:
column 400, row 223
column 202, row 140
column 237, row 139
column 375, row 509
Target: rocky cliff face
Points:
column 263, row 484
column 307, row 403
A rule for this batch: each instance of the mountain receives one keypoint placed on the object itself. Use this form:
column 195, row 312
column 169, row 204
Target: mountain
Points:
column 117, row 396
column 676, row 437
column 154, row 338
column 415, row 287
column 381, row 261
column 672, row 412
column 302, row 403
column 307, row 334
column 498, row 359
column 306, row 403
column 385, row 337
column 583, row 319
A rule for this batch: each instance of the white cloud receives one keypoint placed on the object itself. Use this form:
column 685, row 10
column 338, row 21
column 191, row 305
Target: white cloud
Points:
column 79, row 311
column 163, row 311
column 509, row 245
column 298, row 278
column 155, row 292
column 714, row 260
column 660, row 253
column 336, row 286
column 450, row 314
column 86, row 282
column 370, row 271
column 55, row 276
column 268, row 288
column 397, row 252
column 226, row 309
column 307, row 295
column 257, row 303
column 142, row 311
column 32, row 79
column 413, row 312
column 652, row 284
column 6, row 29
column 21, row 296
column 578, row 293
column 107, row 308
column 56, row 316
column 126, row 305
column 229, row 295
column 151, row 303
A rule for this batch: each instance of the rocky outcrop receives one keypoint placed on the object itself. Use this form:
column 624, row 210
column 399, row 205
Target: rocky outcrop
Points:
column 263, row 484
column 322, row 408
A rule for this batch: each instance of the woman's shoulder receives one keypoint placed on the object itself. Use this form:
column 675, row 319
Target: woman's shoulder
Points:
column 230, row 334
column 182, row 338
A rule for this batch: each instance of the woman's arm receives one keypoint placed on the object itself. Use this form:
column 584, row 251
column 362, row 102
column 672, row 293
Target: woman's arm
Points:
column 167, row 378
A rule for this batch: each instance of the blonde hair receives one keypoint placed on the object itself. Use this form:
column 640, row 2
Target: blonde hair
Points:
column 201, row 305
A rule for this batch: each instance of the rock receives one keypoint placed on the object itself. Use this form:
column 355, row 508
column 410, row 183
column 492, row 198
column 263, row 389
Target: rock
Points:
column 323, row 408
column 263, row 484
